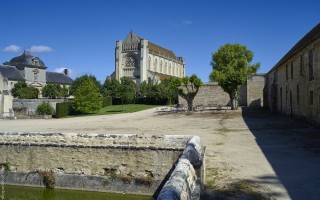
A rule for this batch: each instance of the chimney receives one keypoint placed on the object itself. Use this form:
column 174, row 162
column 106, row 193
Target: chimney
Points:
column 66, row 71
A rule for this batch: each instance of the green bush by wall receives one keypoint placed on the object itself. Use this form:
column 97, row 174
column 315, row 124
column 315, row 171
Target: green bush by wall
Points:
column 63, row 109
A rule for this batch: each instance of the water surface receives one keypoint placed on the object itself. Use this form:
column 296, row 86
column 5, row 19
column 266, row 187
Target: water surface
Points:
column 33, row 193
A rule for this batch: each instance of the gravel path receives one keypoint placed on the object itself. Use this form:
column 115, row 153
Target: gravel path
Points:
column 248, row 153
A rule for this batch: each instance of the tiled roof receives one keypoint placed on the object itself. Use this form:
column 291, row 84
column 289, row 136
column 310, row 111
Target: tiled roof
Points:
column 59, row 78
column 10, row 72
column 26, row 59
column 306, row 40
column 161, row 50
column 133, row 38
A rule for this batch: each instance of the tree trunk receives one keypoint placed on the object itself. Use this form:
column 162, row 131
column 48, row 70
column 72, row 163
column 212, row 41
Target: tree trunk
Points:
column 234, row 102
column 190, row 105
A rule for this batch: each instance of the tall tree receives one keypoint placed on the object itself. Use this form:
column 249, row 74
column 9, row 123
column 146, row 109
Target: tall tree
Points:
column 187, row 88
column 231, row 65
column 78, row 81
column 87, row 97
column 127, row 90
column 110, row 87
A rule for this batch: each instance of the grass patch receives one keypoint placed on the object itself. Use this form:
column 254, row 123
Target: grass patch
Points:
column 117, row 109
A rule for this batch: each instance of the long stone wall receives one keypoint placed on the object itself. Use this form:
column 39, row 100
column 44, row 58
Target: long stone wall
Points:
column 27, row 107
column 114, row 163
column 213, row 94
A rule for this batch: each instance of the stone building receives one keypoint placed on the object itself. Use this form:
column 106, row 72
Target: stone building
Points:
column 31, row 69
column 142, row 60
column 292, row 85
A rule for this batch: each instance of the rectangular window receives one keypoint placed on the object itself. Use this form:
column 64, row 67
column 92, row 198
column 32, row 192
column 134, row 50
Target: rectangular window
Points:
column 298, row 99
column 286, row 92
column 287, row 72
column 280, row 98
column 301, row 65
column 310, row 65
column 35, row 76
column 311, row 97
column 291, row 69
column 275, row 76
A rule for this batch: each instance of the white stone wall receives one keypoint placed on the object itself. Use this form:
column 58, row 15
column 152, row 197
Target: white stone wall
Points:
column 30, row 75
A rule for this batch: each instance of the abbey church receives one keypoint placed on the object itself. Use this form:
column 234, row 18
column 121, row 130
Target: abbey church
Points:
column 142, row 60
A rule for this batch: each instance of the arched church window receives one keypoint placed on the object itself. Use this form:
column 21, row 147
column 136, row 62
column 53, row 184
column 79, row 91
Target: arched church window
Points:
column 165, row 67
column 170, row 69
column 149, row 64
column 161, row 66
column 155, row 64
column 130, row 62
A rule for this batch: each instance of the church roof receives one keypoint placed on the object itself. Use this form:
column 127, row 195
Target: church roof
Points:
column 132, row 38
column 10, row 72
column 160, row 75
column 58, row 78
column 26, row 59
column 306, row 40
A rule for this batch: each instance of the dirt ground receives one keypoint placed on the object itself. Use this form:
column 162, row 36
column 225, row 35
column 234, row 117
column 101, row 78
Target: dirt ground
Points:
column 250, row 154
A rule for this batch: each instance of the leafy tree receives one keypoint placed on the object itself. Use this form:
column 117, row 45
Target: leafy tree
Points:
column 87, row 98
column 166, row 91
column 187, row 88
column 110, row 87
column 53, row 91
column 6, row 63
column 231, row 66
column 78, row 81
column 22, row 91
column 28, row 93
column 17, row 86
column 127, row 90
column 44, row 108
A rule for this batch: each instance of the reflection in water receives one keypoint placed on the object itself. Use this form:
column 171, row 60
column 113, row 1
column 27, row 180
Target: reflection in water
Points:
column 32, row 193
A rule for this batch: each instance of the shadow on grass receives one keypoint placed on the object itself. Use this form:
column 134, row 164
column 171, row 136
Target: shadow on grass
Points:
column 113, row 111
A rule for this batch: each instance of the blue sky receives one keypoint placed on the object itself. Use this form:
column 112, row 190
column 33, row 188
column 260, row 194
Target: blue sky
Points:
column 81, row 35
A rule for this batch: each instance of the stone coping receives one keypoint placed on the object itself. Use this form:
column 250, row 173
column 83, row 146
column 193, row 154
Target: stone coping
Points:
column 94, row 140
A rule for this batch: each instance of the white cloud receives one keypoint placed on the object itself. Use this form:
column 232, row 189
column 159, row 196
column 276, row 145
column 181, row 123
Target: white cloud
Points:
column 11, row 48
column 72, row 73
column 40, row 49
column 186, row 22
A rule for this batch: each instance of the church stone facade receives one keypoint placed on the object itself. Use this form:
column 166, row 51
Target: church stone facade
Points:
column 142, row 60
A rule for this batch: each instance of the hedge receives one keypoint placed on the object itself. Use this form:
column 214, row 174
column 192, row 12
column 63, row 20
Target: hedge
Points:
column 63, row 109
column 107, row 101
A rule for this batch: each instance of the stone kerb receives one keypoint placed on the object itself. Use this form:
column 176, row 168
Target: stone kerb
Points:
column 186, row 180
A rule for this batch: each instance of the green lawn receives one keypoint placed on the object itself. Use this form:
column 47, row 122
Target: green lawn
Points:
column 116, row 109
column 128, row 108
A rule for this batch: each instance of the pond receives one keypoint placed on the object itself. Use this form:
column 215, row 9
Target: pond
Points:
column 34, row 193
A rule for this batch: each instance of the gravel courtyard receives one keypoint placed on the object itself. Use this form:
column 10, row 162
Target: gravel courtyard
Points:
column 249, row 155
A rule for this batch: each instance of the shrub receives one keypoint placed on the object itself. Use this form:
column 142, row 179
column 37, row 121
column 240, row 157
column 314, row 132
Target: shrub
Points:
column 45, row 108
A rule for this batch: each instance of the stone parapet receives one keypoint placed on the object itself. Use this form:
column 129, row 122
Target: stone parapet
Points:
column 186, row 180
column 127, row 163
